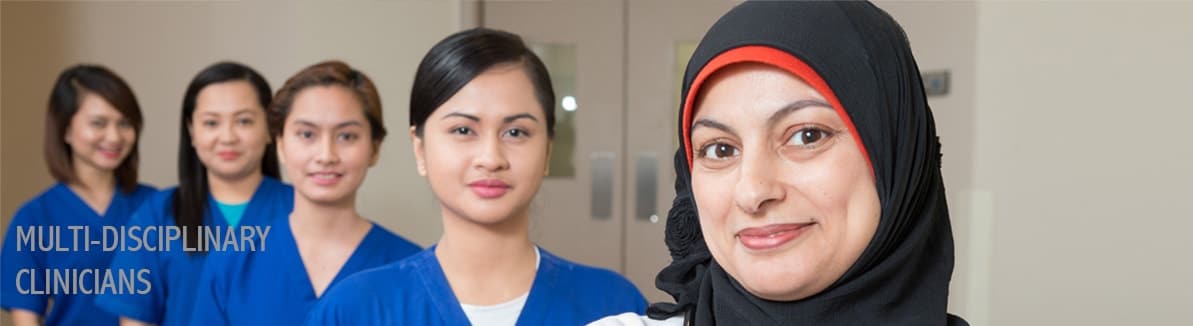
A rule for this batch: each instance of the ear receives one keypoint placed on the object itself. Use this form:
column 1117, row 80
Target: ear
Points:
column 547, row 167
column 280, row 149
column 376, row 154
column 190, row 131
column 416, row 144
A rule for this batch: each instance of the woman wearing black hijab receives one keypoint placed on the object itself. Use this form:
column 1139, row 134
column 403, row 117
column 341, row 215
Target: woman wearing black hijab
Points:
column 808, row 184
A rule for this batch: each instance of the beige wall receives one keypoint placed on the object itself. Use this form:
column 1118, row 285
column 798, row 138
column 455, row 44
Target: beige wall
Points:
column 158, row 46
column 1066, row 165
column 1083, row 146
column 1067, row 169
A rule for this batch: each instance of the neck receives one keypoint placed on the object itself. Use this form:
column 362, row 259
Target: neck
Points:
column 92, row 180
column 323, row 220
column 486, row 263
column 234, row 191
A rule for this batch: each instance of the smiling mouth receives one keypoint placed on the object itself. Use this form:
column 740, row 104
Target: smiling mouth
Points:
column 325, row 178
column 771, row 236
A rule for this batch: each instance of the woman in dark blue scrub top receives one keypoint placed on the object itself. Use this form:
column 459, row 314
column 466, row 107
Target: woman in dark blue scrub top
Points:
column 92, row 127
column 482, row 123
column 329, row 133
column 227, row 177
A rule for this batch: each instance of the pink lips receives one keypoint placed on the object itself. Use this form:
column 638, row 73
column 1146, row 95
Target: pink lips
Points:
column 111, row 155
column 771, row 236
column 325, row 178
column 489, row 188
column 228, row 155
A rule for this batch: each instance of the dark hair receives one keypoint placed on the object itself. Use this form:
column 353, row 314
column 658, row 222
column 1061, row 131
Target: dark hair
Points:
column 190, row 201
column 458, row 59
column 328, row 73
column 64, row 103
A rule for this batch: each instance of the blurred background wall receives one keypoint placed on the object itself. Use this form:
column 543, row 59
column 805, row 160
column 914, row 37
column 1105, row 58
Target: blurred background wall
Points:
column 1066, row 154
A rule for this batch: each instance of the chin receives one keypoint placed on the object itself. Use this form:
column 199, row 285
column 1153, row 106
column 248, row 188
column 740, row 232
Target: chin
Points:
column 487, row 217
column 776, row 280
column 323, row 196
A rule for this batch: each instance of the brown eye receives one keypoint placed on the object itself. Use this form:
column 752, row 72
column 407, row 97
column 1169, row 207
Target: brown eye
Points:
column 807, row 137
column 718, row 151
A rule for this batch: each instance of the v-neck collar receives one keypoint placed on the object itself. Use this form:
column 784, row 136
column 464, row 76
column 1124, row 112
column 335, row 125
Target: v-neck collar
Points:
column 448, row 305
column 351, row 263
column 246, row 217
column 81, row 205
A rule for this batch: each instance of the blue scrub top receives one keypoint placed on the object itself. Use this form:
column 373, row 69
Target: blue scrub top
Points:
column 174, row 273
column 415, row 291
column 52, row 214
column 271, row 287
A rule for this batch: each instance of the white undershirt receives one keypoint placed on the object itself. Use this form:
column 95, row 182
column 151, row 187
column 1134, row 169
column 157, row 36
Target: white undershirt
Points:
column 501, row 314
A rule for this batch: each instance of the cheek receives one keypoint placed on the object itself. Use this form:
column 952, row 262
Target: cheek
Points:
column 202, row 139
column 530, row 159
column 82, row 135
column 714, row 201
column 444, row 157
column 254, row 137
column 129, row 135
column 358, row 154
column 843, row 193
column 295, row 157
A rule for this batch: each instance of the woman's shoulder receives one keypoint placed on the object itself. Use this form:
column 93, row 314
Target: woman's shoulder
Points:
column 396, row 279
column 593, row 280
column 393, row 242
column 632, row 319
column 277, row 187
column 143, row 191
column 155, row 208
column 577, row 271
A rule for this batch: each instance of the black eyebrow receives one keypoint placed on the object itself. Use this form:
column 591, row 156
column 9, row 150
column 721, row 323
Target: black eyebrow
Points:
column 705, row 122
column 337, row 126
column 462, row 115
column 235, row 113
column 519, row 116
column 792, row 107
column 348, row 124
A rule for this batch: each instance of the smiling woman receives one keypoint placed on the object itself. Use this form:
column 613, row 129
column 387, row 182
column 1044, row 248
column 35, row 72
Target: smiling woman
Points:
column 481, row 124
column 808, row 184
column 225, row 159
column 327, row 123
column 93, row 124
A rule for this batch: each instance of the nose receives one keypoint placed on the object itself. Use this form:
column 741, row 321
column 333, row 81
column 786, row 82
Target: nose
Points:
column 112, row 134
column 492, row 157
column 327, row 152
column 756, row 185
column 228, row 134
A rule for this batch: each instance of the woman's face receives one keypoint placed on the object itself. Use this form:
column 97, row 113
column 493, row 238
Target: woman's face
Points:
column 786, row 199
column 98, row 135
column 485, row 150
column 228, row 130
column 326, row 145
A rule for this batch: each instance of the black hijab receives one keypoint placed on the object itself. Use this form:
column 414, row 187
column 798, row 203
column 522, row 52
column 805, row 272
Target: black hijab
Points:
column 858, row 57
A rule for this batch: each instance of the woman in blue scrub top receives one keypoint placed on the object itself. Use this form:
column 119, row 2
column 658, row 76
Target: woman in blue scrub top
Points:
column 329, row 134
column 482, row 121
column 92, row 128
column 227, row 177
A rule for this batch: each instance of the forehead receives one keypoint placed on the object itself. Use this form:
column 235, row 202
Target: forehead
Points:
column 326, row 104
column 499, row 91
column 91, row 104
column 227, row 96
column 750, row 89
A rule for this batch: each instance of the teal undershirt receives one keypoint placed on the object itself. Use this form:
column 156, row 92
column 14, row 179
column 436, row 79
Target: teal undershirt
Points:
column 232, row 213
